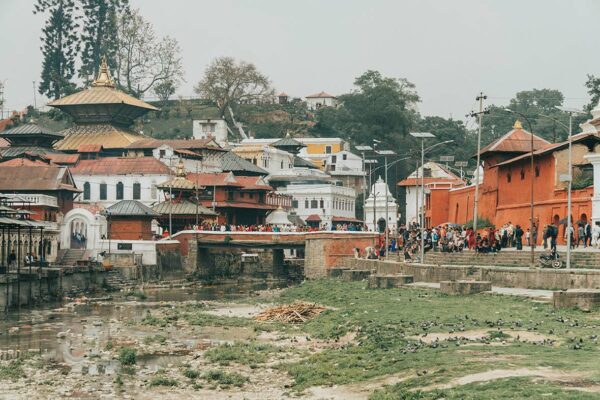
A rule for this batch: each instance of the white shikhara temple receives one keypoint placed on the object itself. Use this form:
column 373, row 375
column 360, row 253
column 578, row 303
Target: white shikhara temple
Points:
column 377, row 203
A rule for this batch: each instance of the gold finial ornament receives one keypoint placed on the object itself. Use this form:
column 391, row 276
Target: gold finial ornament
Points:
column 517, row 125
column 104, row 79
column 180, row 173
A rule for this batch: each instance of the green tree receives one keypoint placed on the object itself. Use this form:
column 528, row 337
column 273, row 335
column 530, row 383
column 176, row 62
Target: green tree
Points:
column 100, row 34
column 60, row 46
column 380, row 108
column 534, row 104
column 593, row 88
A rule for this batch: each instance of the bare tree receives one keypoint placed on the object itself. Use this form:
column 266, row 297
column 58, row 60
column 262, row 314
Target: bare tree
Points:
column 228, row 84
column 143, row 61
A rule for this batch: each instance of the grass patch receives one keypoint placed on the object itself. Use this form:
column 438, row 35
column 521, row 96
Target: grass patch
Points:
column 162, row 381
column 137, row 294
column 250, row 353
column 158, row 338
column 12, row 371
column 191, row 373
column 127, row 356
column 224, row 378
column 388, row 321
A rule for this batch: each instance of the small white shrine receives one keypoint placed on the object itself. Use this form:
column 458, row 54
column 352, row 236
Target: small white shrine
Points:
column 380, row 199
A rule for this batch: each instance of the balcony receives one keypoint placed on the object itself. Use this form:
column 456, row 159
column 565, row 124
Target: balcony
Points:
column 280, row 200
column 19, row 200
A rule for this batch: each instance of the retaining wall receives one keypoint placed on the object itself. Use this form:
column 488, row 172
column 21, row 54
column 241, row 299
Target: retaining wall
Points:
column 516, row 277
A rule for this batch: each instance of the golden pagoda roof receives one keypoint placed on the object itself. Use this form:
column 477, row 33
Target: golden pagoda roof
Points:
column 109, row 136
column 101, row 91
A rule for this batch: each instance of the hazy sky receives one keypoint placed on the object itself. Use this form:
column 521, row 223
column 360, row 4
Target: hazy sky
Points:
column 450, row 49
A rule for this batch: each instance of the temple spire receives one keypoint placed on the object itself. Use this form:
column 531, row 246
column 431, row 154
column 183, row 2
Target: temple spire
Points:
column 104, row 79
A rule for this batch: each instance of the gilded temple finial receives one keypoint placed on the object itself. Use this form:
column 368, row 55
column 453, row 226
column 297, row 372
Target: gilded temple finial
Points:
column 104, row 79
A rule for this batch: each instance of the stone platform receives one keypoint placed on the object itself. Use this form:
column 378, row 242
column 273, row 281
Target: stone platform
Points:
column 464, row 287
column 356, row 274
column 389, row 281
column 584, row 299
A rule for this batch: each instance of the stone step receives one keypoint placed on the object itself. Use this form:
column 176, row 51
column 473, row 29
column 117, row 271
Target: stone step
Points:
column 356, row 274
column 389, row 281
column 463, row 287
column 584, row 299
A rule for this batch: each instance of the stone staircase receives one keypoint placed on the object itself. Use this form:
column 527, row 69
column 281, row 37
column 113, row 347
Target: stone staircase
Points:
column 115, row 280
column 509, row 258
column 70, row 256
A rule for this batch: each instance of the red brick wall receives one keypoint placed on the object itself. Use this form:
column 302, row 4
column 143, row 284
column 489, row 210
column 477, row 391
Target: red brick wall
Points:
column 130, row 229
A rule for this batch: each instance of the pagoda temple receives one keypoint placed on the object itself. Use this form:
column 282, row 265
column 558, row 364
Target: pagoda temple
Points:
column 102, row 115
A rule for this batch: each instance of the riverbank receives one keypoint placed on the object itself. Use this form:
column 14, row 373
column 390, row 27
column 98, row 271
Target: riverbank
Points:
column 380, row 344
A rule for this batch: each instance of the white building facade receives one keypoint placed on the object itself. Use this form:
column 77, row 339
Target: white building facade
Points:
column 347, row 168
column 321, row 99
column 331, row 203
column 380, row 207
column 206, row 128
column 436, row 176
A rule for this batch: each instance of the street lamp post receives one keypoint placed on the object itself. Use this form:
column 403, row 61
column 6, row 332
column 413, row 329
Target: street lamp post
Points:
column 364, row 149
column 569, row 128
column 422, row 136
column 531, row 224
column 385, row 154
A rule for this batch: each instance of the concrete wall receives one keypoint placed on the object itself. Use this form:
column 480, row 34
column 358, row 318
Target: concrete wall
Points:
column 147, row 248
column 548, row 279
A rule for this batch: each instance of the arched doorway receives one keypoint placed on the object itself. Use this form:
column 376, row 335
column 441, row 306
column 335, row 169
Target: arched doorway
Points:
column 78, row 234
column 381, row 225
column 583, row 218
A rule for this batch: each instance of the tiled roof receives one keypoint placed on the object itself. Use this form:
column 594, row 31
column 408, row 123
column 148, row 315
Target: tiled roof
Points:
column 301, row 162
column 179, row 183
column 130, row 208
column 20, row 161
column 29, row 130
column 16, row 151
column 61, row 158
column 231, row 162
column 320, row 95
column 121, row 166
column 555, row 146
column 100, row 95
column 214, row 179
column 90, row 148
column 4, row 142
column 253, row 183
column 517, row 140
column 35, row 178
column 175, row 143
column 288, row 141
column 183, row 207
column 109, row 136
column 313, row 218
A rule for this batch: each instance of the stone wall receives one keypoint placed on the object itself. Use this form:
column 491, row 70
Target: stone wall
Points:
column 548, row 279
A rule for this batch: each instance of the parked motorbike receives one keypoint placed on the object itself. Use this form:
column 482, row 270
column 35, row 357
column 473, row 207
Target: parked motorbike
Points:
column 551, row 260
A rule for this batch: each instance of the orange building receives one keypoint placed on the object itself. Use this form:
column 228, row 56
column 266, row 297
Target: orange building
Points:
column 505, row 190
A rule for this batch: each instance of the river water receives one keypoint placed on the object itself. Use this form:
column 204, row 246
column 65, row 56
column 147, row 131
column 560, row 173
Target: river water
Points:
column 74, row 334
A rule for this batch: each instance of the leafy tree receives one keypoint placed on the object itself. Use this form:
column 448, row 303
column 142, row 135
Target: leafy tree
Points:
column 60, row 46
column 464, row 144
column 535, row 105
column 229, row 83
column 593, row 87
column 100, row 34
column 143, row 61
column 164, row 90
column 380, row 108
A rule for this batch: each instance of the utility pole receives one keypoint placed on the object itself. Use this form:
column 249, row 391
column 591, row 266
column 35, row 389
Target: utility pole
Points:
column 479, row 114
column 34, row 98
column 1, row 99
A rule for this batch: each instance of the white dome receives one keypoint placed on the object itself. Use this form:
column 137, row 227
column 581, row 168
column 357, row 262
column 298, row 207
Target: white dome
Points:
column 278, row 218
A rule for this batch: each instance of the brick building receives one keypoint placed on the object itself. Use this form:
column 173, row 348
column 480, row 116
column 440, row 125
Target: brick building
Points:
column 505, row 190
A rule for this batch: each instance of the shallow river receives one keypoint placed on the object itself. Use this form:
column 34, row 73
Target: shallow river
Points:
column 39, row 329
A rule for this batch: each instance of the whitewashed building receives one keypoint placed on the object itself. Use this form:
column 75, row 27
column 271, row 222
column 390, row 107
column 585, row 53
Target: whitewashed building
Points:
column 266, row 157
column 347, row 168
column 107, row 180
column 321, row 99
column 381, row 199
column 436, row 177
column 210, row 128
column 322, row 203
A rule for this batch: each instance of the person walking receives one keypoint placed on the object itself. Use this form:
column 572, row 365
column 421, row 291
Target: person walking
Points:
column 519, row 237
column 588, row 234
column 552, row 233
column 580, row 235
column 545, row 237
